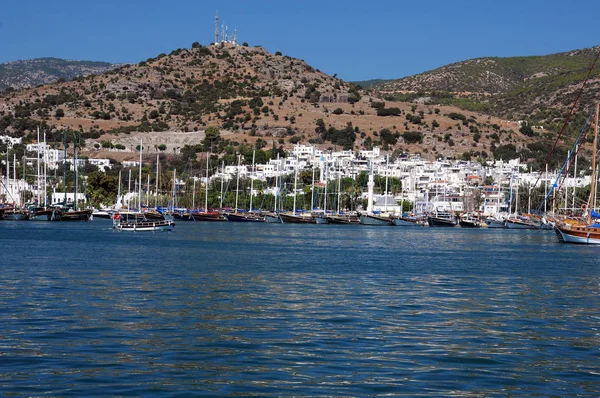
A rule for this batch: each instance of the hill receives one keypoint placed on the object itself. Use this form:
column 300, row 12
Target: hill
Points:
column 31, row 73
column 256, row 100
column 539, row 89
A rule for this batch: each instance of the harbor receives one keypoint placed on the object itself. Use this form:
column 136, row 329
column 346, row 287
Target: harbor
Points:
column 264, row 309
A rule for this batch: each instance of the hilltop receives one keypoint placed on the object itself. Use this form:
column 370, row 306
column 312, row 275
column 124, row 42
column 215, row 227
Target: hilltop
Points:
column 255, row 99
column 31, row 73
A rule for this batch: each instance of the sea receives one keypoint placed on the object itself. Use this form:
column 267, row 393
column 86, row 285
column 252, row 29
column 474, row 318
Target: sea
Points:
column 248, row 309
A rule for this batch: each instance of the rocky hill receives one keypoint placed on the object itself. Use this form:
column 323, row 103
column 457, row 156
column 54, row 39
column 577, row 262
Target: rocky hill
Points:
column 256, row 100
column 31, row 73
column 539, row 89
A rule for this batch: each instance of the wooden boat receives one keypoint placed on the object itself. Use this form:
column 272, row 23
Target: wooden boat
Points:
column 343, row 219
column 44, row 214
column 244, row 217
column 442, row 219
column 407, row 221
column 468, row 221
column 585, row 230
column 74, row 215
column 517, row 222
column 272, row 217
column 492, row 222
column 297, row 218
column 376, row 219
column 136, row 222
column 15, row 215
column 207, row 216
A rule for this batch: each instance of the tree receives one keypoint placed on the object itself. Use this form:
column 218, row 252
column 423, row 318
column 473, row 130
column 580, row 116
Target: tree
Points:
column 162, row 147
column 212, row 135
column 59, row 113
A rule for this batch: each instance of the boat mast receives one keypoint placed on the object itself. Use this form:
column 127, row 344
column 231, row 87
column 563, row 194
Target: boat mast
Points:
column 295, row 182
column 206, row 188
column 45, row 173
column 252, row 179
column 387, row 170
column 339, row 187
column 38, row 166
column 128, row 189
column 140, row 177
column 222, row 181
column 593, row 182
column 156, row 193
column 370, row 185
column 276, row 185
column 75, row 141
column 237, row 186
column 312, row 190
column 325, row 196
column 119, row 191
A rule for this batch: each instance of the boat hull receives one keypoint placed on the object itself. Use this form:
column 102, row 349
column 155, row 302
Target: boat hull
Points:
column 403, row 222
column 341, row 219
column 78, row 215
column 582, row 235
column 441, row 222
column 367, row 219
column 210, row 216
column 236, row 217
column 146, row 226
column 272, row 218
column 16, row 216
column 296, row 219
column 517, row 224
column 495, row 223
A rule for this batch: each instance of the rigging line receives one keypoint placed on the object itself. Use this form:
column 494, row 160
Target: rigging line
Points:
column 568, row 117
column 569, row 160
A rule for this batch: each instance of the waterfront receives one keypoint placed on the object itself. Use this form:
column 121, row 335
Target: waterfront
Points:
column 263, row 309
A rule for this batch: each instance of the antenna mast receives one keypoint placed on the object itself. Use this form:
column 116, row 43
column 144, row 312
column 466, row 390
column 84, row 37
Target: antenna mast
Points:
column 217, row 28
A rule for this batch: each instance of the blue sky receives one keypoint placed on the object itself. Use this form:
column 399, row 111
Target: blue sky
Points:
column 357, row 40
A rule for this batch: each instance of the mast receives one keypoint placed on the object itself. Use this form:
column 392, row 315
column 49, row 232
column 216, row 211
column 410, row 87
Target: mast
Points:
column 312, row 190
column 370, row 185
column 140, row 177
column 295, row 183
column 156, row 193
column 119, row 191
column 387, row 169
column 252, row 179
column 129, row 189
column 339, row 187
column 325, row 197
column 593, row 182
column 148, row 192
column 75, row 167
column 276, row 185
column 206, row 189
column 222, row 180
column 45, row 173
column 38, row 166
column 237, row 186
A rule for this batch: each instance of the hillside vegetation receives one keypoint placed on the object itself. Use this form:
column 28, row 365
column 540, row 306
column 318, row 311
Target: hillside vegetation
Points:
column 31, row 73
column 252, row 99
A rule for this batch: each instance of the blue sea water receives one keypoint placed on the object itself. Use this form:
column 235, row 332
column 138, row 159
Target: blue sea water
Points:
column 234, row 309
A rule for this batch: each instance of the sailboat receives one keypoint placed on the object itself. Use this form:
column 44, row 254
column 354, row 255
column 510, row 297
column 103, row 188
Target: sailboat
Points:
column 250, row 216
column 73, row 213
column 370, row 218
column 586, row 230
column 273, row 217
column 294, row 217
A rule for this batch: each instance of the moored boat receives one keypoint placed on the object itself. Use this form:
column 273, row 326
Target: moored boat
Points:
column 442, row 219
column 375, row 219
column 244, row 217
column 138, row 223
column 468, row 221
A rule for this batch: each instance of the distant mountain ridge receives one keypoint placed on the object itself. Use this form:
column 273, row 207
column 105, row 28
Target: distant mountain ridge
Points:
column 31, row 73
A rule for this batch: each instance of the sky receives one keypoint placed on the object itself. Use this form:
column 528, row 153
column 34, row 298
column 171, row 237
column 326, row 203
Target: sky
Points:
column 357, row 40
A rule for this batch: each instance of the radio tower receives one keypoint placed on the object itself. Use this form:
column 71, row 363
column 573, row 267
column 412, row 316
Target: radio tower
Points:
column 217, row 28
